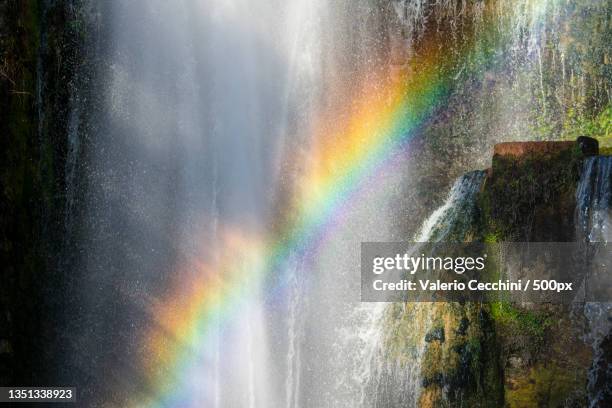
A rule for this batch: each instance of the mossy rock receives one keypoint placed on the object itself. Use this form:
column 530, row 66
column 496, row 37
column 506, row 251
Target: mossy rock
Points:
column 531, row 197
column 533, row 345
column 435, row 334
column 503, row 354
column 605, row 151
column 547, row 385
column 463, row 369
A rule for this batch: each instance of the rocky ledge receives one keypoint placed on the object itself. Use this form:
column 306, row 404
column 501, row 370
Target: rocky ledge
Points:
column 586, row 145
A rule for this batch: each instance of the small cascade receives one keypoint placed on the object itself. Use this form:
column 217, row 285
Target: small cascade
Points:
column 593, row 210
column 593, row 198
column 396, row 344
column 391, row 374
column 454, row 219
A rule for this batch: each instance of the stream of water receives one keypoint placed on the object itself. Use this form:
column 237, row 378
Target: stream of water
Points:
column 594, row 210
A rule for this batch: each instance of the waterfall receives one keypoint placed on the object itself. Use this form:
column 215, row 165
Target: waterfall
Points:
column 391, row 372
column 455, row 217
column 195, row 104
column 593, row 197
column 199, row 124
column 593, row 218
column 184, row 146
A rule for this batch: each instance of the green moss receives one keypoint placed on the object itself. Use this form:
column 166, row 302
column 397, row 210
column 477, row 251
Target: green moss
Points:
column 605, row 151
column 462, row 370
column 532, row 323
column 492, row 237
column 547, row 385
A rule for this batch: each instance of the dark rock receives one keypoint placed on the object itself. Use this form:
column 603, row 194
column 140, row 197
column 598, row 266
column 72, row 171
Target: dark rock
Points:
column 530, row 195
column 588, row 146
column 437, row 333
column 435, row 379
column 462, row 375
column 463, row 326
column 600, row 381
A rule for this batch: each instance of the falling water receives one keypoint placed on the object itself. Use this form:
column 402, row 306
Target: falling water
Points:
column 292, row 384
column 198, row 108
column 593, row 197
column 335, row 334
column 185, row 146
column 456, row 216
column 391, row 372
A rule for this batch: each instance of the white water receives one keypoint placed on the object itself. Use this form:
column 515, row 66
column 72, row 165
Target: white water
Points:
column 199, row 105
column 392, row 377
column 294, row 336
column 336, row 333
column 594, row 210
column 197, row 102
column 456, row 210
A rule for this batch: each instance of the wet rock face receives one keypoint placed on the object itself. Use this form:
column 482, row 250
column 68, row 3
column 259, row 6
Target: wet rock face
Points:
column 520, row 149
column 530, row 196
column 18, row 155
column 600, row 383
column 530, row 193
column 503, row 354
column 437, row 333
column 464, row 324
column 460, row 366
column 38, row 58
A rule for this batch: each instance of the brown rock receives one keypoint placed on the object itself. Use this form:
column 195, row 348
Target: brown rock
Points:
column 518, row 149
column 587, row 145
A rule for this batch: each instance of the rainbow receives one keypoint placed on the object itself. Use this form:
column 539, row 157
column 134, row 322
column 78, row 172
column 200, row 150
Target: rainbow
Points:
column 345, row 159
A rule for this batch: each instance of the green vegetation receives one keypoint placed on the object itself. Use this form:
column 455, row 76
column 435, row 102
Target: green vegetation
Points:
column 598, row 127
column 533, row 323
column 546, row 385
column 491, row 237
column 461, row 368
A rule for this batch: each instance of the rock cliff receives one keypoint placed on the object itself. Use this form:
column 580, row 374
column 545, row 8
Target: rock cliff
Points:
column 503, row 354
